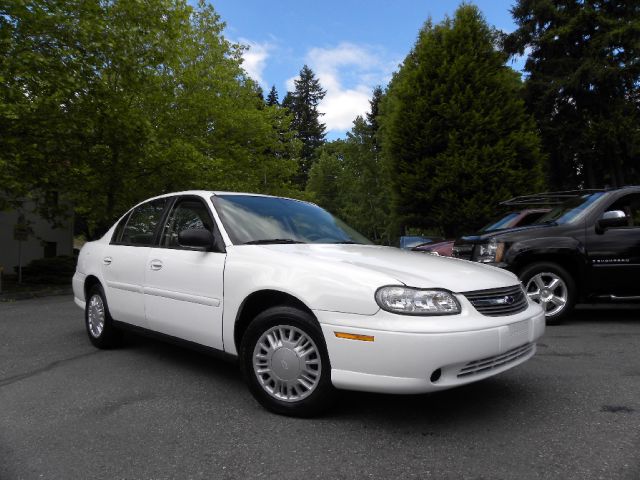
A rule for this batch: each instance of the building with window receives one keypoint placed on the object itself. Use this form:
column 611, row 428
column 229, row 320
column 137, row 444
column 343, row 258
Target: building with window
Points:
column 24, row 233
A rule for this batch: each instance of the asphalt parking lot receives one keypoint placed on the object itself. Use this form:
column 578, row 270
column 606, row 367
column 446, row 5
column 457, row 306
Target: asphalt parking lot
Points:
column 153, row 410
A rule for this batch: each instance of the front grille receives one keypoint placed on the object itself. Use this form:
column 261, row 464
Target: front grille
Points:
column 480, row 366
column 463, row 251
column 498, row 302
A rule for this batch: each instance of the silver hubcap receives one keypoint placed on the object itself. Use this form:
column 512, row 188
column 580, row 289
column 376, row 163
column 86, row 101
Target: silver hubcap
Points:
column 287, row 363
column 549, row 290
column 96, row 315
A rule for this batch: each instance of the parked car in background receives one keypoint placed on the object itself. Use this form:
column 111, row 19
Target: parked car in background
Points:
column 586, row 248
column 410, row 241
column 305, row 303
column 512, row 219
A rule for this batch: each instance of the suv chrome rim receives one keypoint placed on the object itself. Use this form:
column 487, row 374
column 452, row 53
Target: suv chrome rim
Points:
column 287, row 363
column 549, row 290
column 95, row 315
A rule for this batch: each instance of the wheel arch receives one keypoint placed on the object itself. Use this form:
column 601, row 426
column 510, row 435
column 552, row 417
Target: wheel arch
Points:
column 89, row 283
column 569, row 261
column 259, row 301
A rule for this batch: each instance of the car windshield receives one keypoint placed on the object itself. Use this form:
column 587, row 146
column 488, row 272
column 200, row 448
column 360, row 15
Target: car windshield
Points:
column 502, row 223
column 570, row 210
column 250, row 219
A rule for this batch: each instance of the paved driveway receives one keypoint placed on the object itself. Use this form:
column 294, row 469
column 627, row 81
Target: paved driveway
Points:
column 152, row 410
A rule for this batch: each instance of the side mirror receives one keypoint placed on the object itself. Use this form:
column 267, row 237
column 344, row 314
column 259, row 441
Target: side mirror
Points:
column 612, row 219
column 196, row 238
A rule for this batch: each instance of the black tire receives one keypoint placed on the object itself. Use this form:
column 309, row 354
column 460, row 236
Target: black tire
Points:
column 294, row 322
column 108, row 336
column 553, row 315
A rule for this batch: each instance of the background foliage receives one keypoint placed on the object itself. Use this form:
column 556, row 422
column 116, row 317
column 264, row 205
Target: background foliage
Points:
column 108, row 102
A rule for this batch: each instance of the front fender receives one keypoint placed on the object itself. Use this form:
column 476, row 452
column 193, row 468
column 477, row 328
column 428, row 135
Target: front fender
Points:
column 526, row 251
column 319, row 285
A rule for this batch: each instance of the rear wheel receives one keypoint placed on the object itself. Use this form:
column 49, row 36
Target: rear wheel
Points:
column 98, row 321
column 551, row 286
column 285, row 362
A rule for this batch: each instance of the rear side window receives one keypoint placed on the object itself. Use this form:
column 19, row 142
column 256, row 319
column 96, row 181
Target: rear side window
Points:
column 186, row 214
column 141, row 225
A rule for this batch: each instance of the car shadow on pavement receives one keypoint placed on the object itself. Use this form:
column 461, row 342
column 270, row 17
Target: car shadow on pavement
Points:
column 488, row 399
column 179, row 356
column 621, row 313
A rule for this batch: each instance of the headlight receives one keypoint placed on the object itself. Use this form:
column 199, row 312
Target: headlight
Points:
column 414, row 301
column 489, row 252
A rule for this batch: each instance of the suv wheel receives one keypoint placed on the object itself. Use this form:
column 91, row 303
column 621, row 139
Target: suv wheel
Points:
column 285, row 362
column 551, row 286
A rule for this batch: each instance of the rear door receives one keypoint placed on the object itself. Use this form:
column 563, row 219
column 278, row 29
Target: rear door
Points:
column 183, row 286
column 125, row 258
column 614, row 254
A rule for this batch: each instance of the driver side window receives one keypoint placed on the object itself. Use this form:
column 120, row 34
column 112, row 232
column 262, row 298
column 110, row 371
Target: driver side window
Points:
column 630, row 205
column 186, row 214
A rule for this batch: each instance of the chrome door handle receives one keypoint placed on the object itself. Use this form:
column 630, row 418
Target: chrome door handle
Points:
column 155, row 265
column 106, row 260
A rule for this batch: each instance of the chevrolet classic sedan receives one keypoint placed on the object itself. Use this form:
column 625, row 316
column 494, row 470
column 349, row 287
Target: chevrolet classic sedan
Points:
column 305, row 303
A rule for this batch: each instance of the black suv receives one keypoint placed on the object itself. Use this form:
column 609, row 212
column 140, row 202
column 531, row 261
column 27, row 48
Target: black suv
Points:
column 587, row 248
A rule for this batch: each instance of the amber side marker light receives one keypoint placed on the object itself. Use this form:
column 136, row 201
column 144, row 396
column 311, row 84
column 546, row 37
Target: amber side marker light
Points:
column 353, row 336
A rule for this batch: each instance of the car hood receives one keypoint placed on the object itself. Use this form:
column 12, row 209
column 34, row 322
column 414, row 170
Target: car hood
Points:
column 414, row 269
column 503, row 232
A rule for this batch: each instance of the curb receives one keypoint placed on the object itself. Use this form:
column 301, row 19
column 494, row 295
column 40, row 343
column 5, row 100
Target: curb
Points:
column 10, row 297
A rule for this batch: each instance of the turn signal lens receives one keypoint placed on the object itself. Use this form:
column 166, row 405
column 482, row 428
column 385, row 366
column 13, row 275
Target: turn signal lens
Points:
column 354, row 336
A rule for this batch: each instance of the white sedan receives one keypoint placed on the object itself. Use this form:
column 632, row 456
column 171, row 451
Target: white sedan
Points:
column 306, row 304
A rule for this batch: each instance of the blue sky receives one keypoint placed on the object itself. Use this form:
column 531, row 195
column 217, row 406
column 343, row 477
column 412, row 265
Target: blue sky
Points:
column 351, row 45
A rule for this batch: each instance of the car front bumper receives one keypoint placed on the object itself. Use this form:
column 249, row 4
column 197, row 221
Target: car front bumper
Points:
column 412, row 359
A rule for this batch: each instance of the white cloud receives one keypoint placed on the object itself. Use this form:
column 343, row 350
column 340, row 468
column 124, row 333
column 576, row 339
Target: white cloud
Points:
column 255, row 58
column 348, row 73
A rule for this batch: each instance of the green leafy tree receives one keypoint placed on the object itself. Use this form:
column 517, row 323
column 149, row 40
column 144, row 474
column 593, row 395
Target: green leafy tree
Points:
column 455, row 130
column 111, row 102
column 303, row 104
column 350, row 179
column 583, row 86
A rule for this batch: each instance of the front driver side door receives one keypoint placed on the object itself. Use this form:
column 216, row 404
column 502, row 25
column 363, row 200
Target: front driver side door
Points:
column 614, row 254
column 183, row 286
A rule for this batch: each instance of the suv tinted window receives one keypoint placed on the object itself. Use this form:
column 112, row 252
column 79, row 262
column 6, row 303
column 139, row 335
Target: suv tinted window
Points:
column 142, row 224
column 630, row 205
column 186, row 214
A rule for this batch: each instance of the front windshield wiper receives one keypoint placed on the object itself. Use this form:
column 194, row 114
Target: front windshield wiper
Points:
column 346, row 242
column 265, row 241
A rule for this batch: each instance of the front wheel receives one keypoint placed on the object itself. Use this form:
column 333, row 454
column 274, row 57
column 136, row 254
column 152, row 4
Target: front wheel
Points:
column 285, row 362
column 551, row 286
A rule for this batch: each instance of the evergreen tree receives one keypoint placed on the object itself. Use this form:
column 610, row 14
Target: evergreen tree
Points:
column 303, row 105
column 455, row 130
column 583, row 86
column 272, row 98
column 287, row 101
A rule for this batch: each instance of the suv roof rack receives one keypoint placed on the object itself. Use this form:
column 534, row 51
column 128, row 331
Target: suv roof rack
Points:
column 548, row 198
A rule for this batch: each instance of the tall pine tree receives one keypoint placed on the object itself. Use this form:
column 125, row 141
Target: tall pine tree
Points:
column 583, row 86
column 272, row 98
column 455, row 128
column 303, row 104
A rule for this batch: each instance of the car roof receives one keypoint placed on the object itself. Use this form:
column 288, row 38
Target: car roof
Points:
column 209, row 193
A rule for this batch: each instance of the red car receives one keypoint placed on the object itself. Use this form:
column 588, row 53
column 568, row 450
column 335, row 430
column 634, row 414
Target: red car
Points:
column 509, row 220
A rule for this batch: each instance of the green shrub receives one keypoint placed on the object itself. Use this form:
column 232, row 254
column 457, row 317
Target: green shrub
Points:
column 56, row 270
